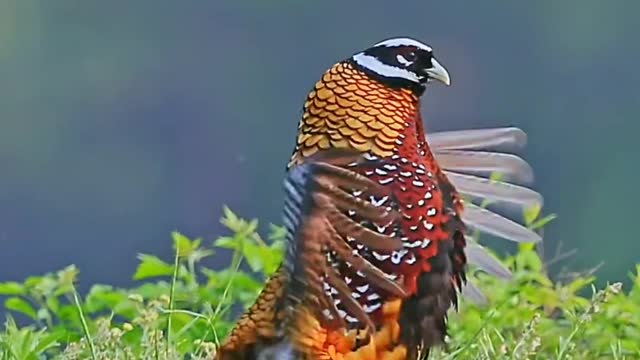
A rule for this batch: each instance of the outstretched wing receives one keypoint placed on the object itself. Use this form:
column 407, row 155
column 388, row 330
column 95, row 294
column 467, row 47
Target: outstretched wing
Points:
column 318, row 194
column 294, row 313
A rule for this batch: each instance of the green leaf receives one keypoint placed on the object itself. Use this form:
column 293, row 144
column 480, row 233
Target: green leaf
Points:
column 227, row 242
column 273, row 257
column 531, row 214
column 229, row 217
column 45, row 285
column 200, row 254
column 496, row 176
column 526, row 247
column 580, row 283
column 277, row 233
column 12, row 288
column 53, row 303
column 64, row 280
column 239, row 226
column 182, row 244
column 103, row 297
column 231, row 221
column 44, row 313
column 252, row 226
column 47, row 342
column 20, row 305
column 68, row 275
column 540, row 223
column 254, row 255
column 152, row 266
column 33, row 281
column 152, row 290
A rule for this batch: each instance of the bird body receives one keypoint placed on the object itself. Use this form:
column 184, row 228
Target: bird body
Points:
column 382, row 289
column 367, row 107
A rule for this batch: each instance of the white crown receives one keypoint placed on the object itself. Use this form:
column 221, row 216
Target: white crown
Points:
column 404, row 42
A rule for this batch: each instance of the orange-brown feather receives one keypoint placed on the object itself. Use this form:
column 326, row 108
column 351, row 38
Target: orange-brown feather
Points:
column 349, row 109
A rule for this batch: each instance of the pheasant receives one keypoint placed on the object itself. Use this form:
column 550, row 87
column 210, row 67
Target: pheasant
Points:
column 364, row 284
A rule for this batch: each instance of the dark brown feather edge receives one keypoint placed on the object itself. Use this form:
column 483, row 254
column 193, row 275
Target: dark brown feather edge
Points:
column 327, row 190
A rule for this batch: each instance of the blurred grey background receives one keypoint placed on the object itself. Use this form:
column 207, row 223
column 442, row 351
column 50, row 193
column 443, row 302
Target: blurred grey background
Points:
column 122, row 121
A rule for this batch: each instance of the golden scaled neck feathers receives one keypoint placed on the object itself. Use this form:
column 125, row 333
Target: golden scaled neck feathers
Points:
column 348, row 109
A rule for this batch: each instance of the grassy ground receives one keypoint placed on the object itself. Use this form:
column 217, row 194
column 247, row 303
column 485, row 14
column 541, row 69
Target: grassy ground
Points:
column 182, row 309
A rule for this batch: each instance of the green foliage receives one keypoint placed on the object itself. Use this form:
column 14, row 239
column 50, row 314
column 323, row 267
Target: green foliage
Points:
column 182, row 307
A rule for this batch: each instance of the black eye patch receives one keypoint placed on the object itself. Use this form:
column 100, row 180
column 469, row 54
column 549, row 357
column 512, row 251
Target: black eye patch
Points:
column 410, row 56
column 399, row 56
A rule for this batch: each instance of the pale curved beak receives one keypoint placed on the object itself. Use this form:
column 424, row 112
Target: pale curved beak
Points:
column 438, row 72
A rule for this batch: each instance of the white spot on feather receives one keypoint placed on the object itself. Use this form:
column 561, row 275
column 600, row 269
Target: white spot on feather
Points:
column 413, row 244
column 378, row 202
column 427, row 225
column 372, row 308
column 381, row 172
column 396, row 256
column 380, row 257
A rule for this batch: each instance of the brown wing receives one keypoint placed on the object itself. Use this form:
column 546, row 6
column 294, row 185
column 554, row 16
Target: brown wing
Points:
column 293, row 314
column 319, row 193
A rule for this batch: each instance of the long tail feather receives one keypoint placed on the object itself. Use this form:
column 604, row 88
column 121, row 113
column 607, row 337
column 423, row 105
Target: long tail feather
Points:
column 494, row 190
column 494, row 224
column 463, row 161
column 477, row 255
column 472, row 292
column 509, row 138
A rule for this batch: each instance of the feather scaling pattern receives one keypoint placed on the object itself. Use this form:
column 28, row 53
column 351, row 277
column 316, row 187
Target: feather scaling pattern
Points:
column 378, row 243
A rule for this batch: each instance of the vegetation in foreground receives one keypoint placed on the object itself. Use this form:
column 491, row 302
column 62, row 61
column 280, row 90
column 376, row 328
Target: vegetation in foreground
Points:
column 182, row 309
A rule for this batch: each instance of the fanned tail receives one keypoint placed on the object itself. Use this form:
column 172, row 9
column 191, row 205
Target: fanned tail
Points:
column 507, row 139
column 468, row 158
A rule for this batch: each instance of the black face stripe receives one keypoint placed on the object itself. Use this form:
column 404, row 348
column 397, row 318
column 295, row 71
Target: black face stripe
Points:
column 392, row 82
column 389, row 55
column 408, row 58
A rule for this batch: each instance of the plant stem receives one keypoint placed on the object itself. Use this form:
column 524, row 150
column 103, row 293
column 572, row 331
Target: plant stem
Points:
column 85, row 327
column 174, row 278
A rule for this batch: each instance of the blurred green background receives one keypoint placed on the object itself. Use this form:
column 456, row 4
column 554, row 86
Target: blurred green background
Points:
column 121, row 121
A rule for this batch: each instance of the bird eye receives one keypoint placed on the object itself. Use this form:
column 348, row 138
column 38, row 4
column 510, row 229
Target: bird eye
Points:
column 406, row 58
